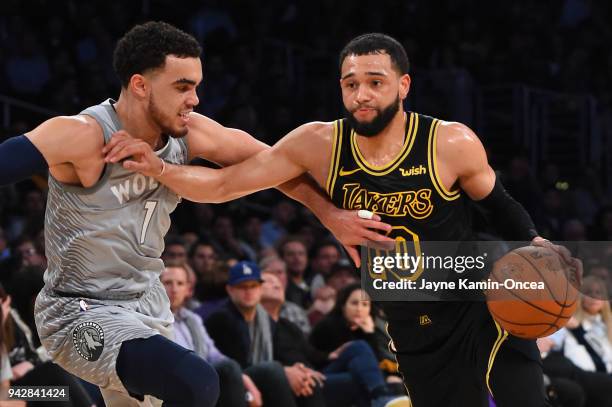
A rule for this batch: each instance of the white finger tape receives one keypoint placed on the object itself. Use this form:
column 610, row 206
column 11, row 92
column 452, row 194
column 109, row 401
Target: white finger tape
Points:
column 364, row 214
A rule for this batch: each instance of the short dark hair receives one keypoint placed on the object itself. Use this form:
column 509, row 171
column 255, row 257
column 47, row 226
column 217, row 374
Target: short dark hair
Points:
column 146, row 46
column 289, row 239
column 322, row 244
column 201, row 242
column 174, row 240
column 377, row 43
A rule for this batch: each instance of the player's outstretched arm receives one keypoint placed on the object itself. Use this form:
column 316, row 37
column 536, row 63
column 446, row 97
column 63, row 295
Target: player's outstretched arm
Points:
column 291, row 157
column 268, row 168
column 226, row 146
column 45, row 148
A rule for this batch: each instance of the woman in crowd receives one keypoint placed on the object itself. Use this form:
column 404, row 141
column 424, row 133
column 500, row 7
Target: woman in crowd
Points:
column 352, row 318
column 593, row 333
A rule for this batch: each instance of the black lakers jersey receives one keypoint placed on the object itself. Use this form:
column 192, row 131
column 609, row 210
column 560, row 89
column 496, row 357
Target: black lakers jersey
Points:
column 407, row 192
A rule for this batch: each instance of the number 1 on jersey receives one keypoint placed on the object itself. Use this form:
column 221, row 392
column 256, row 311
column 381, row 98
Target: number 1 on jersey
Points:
column 150, row 208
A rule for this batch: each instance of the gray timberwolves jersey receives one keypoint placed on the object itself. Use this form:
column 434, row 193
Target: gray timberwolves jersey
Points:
column 105, row 241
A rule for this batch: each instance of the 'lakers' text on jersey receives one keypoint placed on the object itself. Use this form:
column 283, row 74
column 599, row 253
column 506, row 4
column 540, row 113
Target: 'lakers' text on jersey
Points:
column 407, row 192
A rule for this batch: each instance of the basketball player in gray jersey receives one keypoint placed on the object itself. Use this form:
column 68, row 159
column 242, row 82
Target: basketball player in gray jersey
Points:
column 103, row 314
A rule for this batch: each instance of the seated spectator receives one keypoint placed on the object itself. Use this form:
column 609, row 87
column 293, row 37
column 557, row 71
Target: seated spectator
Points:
column 251, row 237
column 242, row 331
column 594, row 385
column 593, row 332
column 293, row 252
column 341, row 275
column 24, row 288
column 6, row 374
column 175, row 249
column 224, row 239
column 323, row 302
column 325, row 255
column 561, row 391
column 190, row 333
column 289, row 310
column 191, row 302
column 272, row 230
column 30, row 253
column 352, row 318
column 210, row 290
column 203, row 258
column 350, row 372
column 602, row 272
column 189, row 238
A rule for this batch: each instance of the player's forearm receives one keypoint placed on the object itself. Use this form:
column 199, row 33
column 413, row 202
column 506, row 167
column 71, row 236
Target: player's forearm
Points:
column 198, row 184
column 305, row 190
column 507, row 215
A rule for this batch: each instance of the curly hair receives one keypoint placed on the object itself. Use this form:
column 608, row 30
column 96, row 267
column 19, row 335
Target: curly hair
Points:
column 146, row 46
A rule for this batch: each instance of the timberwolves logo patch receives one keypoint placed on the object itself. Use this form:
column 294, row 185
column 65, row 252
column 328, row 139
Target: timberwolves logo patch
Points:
column 88, row 339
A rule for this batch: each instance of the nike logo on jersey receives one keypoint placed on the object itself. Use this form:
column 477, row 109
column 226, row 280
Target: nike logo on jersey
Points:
column 343, row 173
column 133, row 187
column 413, row 171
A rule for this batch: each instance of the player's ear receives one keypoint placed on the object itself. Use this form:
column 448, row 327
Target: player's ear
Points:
column 404, row 87
column 138, row 85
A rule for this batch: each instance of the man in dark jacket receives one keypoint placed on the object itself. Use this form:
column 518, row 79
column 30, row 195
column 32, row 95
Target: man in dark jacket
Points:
column 242, row 331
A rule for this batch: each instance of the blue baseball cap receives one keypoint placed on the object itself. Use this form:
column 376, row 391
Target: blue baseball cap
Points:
column 244, row 271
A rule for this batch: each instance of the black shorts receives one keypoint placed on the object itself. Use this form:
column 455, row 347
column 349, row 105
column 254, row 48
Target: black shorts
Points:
column 454, row 354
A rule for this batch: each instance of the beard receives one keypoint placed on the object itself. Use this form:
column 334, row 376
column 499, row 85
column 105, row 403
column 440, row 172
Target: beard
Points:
column 161, row 119
column 378, row 124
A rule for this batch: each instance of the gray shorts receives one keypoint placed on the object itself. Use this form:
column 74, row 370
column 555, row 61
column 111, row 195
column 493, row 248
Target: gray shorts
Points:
column 84, row 335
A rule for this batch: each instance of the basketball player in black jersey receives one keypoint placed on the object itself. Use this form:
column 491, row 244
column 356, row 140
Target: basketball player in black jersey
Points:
column 450, row 354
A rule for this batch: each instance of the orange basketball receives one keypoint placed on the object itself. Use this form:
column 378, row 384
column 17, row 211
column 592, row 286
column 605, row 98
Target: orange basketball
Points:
column 535, row 295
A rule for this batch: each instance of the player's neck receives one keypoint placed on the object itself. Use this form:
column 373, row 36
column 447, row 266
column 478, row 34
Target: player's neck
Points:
column 384, row 146
column 136, row 121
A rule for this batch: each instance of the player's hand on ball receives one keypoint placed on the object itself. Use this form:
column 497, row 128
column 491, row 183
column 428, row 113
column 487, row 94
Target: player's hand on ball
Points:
column 138, row 155
column 353, row 230
column 574, row 264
